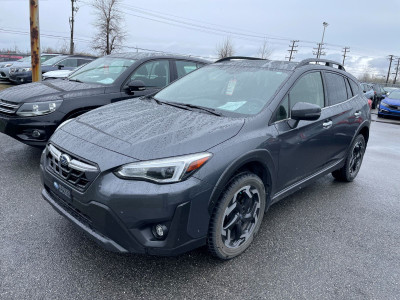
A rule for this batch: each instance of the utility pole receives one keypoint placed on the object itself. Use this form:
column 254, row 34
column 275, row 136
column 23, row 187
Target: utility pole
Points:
column 292, row 49
column 35, row 40
column 319, row 51
column 71, row 25
column 390, row 65
column 397, row 70
column 345, row 51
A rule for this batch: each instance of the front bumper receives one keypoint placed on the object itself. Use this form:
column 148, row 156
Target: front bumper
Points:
column 22, row 128
column 4, row 73
column 386, row 111
column 120, row 214
column 20, row 78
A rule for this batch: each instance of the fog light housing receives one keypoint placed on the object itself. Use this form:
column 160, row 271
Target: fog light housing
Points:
column 160, row 231
column 36, row 133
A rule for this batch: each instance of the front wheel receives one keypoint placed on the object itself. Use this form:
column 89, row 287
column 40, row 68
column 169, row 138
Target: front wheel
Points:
column 353, row 161
column 237, row 216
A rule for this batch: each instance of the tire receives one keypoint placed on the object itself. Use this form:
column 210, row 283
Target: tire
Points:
column 353, row 161
column 237, row 217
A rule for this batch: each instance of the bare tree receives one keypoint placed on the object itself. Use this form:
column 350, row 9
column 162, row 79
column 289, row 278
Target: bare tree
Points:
column 225, row 49
column 110, row 35
column 265, row 50
column 62, row 49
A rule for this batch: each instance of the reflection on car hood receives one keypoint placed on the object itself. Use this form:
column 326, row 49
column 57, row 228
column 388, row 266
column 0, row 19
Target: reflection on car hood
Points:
column 145, row 130
column 49, row 90
column 392, row 101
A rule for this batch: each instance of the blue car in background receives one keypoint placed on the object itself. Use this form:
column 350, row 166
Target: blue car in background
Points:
column 390, row 106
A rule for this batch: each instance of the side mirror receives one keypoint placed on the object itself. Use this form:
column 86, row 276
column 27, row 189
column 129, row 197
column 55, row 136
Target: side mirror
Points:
column 136, row 85
column 60, row 66
column 304, row 111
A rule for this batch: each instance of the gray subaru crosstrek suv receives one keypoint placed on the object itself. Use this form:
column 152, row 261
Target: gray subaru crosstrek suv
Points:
column 200, row 162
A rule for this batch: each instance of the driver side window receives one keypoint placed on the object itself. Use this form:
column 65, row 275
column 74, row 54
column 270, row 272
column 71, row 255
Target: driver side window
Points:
column 308, row 89
column 153, row 73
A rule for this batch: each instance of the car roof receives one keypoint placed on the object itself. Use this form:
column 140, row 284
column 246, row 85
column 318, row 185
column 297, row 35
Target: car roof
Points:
column 147, row 55
column 77, row 56
column 260, row 63
column 288, row 66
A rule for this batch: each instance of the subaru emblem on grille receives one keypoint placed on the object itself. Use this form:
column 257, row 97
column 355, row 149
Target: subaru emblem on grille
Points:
column 56, row 185
column 65, row 159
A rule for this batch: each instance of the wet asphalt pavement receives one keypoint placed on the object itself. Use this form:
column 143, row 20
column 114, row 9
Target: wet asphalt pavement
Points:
column 331, row 240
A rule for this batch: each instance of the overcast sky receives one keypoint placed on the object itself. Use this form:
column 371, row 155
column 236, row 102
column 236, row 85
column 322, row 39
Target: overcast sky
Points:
column 369, row 28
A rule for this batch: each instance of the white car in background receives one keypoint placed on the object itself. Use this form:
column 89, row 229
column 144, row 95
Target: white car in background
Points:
column 59, row 74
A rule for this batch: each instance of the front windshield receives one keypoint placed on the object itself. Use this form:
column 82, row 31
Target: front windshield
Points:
column 45, row 57
column 104, row 70
column 235, row 89
column 394, row 95
column 25, row 59
column 51, row 61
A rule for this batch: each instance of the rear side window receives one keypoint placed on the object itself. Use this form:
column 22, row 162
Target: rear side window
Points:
column 336, row 88
column 354, row 86
column 308, row 89
column 184, row 67
column 349, row 93
column 83, row 61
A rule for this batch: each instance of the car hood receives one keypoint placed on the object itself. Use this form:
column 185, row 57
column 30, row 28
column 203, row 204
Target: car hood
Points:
column 144, row 130
column 49, row 90
column 392, row 101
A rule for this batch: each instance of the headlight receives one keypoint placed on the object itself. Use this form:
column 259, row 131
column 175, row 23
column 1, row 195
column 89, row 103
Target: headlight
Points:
column 7, row 65
column 38, row 108
column 25, row 69
column 384, row 104
column 166, row 170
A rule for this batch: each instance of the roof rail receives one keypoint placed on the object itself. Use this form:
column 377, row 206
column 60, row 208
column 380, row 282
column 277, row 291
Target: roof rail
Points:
column 238, row 57
column 328, row 63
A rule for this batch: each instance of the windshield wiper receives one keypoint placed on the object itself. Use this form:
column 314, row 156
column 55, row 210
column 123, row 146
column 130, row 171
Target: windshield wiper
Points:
column 150, row 97
column 206, row 109
column 75, row 80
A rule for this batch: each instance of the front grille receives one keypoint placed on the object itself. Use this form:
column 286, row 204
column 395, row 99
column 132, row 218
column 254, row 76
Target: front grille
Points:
column 8, row 107
column 76, row 213
column 394, row 107
column 76, row 172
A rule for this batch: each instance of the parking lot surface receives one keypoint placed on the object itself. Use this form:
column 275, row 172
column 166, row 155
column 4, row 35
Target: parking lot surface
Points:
column 331, row 240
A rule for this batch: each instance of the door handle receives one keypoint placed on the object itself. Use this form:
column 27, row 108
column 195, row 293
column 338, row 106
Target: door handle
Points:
column 357, row 113
column 327, row 124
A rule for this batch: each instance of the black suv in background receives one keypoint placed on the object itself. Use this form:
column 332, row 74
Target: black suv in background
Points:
column 203, row 159
column 30, row 113
column 23, row 74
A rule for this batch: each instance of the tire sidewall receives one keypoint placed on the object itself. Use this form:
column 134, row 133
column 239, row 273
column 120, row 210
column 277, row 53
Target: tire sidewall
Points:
column 349, row 176
column 236, row 184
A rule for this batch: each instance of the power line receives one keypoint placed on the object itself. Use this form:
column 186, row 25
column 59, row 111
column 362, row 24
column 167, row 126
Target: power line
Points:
column 177, row 19
column 89, row 42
